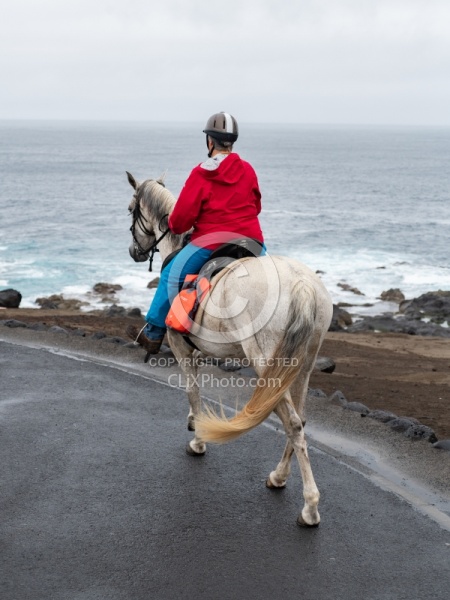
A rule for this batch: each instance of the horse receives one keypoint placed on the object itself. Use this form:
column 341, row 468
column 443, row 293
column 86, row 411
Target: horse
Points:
column 271, row 310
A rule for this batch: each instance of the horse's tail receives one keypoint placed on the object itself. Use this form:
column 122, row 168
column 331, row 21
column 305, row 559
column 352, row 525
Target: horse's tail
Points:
column 277, row 377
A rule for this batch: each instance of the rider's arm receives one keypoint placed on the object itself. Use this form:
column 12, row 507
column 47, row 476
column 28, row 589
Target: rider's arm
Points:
column 256, row 191
column 188, row 205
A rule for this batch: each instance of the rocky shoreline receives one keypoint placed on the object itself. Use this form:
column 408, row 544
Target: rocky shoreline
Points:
column 429, row 314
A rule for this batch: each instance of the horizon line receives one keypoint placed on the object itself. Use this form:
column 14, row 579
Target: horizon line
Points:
column 189, row 122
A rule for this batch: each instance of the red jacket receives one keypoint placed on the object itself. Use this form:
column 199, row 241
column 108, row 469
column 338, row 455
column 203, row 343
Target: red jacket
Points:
column 221, row 204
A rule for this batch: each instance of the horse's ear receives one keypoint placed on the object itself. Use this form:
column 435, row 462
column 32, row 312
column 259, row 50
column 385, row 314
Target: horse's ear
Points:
column 132, row 180
column 162, row 178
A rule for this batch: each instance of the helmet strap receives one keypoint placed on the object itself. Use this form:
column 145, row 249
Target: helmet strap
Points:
column 210, row 151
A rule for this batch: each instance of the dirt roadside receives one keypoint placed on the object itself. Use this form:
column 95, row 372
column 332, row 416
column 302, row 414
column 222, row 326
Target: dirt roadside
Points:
column 407, row 375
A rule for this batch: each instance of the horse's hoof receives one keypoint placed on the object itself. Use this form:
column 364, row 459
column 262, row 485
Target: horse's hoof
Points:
column 193, row 452
column 302, row 523
column 272, row 486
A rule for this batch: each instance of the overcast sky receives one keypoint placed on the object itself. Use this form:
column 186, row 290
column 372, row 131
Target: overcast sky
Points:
column 302, row 61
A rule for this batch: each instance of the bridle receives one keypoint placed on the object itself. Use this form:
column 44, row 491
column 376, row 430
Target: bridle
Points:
column 139, row 219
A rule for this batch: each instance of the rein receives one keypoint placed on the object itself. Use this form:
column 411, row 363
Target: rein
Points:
column 152, row 249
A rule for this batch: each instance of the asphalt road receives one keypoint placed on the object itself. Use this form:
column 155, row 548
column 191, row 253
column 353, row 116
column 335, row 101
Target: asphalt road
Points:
column 99, row 501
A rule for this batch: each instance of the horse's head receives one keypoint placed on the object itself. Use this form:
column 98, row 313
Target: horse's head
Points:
column 145, row 226
column 141, row 229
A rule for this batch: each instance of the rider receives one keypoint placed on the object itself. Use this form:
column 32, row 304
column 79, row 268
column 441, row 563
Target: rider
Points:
column 221, row 201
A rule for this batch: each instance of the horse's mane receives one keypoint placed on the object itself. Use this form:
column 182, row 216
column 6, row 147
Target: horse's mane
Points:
column 156, row 198
column 159, row 202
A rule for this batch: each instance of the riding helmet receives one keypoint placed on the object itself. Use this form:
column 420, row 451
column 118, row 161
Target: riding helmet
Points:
column 222, row 127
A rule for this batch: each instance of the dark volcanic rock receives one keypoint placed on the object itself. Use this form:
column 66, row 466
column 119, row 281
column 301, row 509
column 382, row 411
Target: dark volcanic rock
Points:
column 392, row 295
column 357, row 407
column 56, row 329
column 340, row 319
column 402, row 423
column 79, row 332
column 10, row 298
column 153, row 283
column 57, row 301
column 38, row 326
column 115, row 311
column 338, row 398
column 348, row 288
column 106, row 289
column 421, row 432
column 46, row 304
column 324, row 364
column 388, row 324
column 14, row 323
column 316, row 393
column 378, row 323
column 134, row 312
column 381, row 415
column 98, row 335
column 434, row 305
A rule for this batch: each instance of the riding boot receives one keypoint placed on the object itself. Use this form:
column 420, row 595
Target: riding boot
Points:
column 151, row 345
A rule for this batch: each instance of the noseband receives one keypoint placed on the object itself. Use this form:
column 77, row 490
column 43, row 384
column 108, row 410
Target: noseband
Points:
column 139, row 219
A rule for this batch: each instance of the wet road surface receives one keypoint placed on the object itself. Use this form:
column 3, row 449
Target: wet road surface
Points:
column 98, row 500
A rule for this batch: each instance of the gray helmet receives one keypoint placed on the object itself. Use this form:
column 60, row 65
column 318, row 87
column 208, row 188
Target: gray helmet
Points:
column 222, row 127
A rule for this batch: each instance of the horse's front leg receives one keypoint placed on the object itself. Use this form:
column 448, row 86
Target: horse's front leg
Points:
column 195, row 447
column 295, row 433
column 277, row 479
column 188, row 363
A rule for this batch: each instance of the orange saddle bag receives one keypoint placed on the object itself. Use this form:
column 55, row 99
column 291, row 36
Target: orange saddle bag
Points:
column 184, row 307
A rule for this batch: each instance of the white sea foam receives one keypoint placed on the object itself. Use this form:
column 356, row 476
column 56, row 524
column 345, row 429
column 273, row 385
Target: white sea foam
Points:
column 134, row 292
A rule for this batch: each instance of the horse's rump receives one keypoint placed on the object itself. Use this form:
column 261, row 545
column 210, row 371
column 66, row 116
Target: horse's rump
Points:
column 295, row 339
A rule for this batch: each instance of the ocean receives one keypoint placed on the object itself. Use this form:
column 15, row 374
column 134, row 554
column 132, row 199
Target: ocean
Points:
column 365, row 206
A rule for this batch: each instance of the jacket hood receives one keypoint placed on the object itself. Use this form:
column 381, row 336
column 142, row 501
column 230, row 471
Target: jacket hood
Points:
column 228, row 172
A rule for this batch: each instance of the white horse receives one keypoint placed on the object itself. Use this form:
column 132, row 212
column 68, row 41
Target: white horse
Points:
column 271, row 310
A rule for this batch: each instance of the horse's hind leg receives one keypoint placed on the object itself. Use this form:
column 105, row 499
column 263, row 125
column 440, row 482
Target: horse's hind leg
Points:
column 296, row 411
column 294, row 430
column 277, row 478
column 297, row 392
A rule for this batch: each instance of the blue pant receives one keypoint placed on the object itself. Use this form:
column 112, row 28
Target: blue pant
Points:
column 189, row 260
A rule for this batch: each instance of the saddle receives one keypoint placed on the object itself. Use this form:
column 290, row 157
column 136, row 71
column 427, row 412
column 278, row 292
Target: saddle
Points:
column 195, row 287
